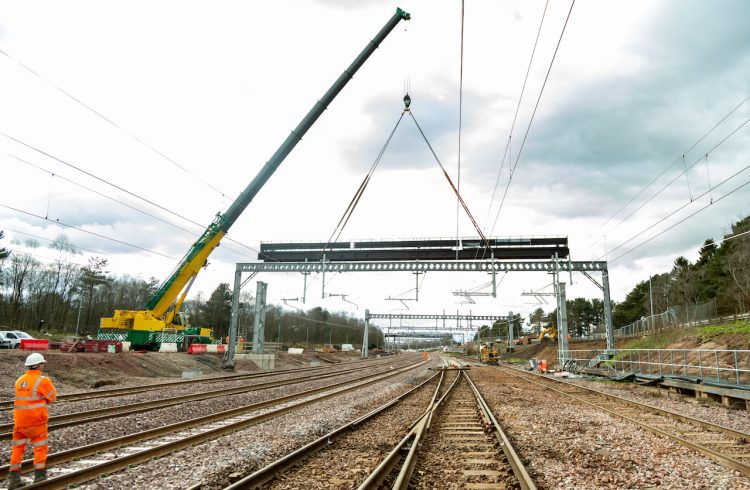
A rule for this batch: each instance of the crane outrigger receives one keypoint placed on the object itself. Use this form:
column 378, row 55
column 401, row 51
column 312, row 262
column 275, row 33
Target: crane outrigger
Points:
column 160, row 320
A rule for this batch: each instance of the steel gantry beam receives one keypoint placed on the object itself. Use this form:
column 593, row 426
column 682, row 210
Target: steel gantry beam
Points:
column 406, row 316
column 487, row 265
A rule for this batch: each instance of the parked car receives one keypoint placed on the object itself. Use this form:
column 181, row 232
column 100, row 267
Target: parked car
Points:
column 11, row 339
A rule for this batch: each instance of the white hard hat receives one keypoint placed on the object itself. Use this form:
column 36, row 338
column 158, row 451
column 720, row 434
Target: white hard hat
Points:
column 34, row 359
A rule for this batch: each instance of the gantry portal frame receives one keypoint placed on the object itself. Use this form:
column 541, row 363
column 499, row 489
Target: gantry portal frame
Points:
column 458, row 328
column 554, row 266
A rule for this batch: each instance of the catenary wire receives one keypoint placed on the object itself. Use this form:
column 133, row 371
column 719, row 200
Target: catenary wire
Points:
column 460, row 116
column 515, row 116
column 677, row 160
column 76, row 247
column 684, row 172
column 666, row 186
column 86, row 231
column 531, row 120
column 680, row 208
column 681, row 221
column 128, row 192
column 110, row 121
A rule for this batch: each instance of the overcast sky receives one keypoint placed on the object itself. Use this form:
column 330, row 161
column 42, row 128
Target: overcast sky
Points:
column 178, row 104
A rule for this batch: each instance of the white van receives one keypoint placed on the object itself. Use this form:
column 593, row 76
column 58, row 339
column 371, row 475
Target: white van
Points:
column 11, row 339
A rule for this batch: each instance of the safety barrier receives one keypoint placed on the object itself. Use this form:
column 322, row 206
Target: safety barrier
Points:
column 724, row 366
column 206, row 349
column 34, row 344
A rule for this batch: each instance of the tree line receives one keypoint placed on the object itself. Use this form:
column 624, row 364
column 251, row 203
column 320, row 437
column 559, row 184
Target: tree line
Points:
column 71, row 295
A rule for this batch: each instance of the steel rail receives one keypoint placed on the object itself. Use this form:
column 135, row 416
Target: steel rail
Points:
column 410, row 440
column 519, row 469
column 85, row 395
column 118, row 442
column 721, row 458
column 271, row 471
column 68, row 420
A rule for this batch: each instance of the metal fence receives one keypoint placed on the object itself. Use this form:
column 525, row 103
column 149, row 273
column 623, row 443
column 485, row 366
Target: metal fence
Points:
column 724, row 366
column 676, row 316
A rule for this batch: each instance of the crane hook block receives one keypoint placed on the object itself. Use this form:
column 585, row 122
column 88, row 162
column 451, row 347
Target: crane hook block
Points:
column 407, row 102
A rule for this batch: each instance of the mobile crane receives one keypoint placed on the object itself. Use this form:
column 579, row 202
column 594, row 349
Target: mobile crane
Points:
column 160, row 320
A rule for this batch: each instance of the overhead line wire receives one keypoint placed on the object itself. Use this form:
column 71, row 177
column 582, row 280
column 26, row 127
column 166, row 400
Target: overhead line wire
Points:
column 675, row 212
column 50, row 240
column 86, row 231
column 515, row 116
column 531, row 120
column 460, row 117
column 666, row 186
column 85, row 172
column 682, row 220
column 110, row 121
column 678, row 159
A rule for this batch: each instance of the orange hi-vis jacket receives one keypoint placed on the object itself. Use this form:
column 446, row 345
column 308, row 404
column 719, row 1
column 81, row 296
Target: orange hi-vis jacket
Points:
column 33, row 393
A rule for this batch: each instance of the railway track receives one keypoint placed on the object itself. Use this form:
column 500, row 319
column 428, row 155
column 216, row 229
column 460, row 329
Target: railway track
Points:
column 85, row 463
column 78, row 418
column 7, row 405
column 457, row 443
column 728, row 447
column 352, row 442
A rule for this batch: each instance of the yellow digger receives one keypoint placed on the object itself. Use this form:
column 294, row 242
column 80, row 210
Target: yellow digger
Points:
column 488, row 354
column 549, row 333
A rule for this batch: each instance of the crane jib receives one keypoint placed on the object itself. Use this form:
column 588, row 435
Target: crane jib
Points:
column 189, row 266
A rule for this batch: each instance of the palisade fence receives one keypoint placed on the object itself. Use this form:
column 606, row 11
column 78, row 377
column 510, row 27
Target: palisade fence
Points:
column 731, row 367
column 676, row 316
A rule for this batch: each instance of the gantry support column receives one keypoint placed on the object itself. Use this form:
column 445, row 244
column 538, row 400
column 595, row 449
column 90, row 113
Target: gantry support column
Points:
column 232, row 347
column 562, row 331
column 608, row 311
column 511, row 344
column 259, row 325
column 365, row 339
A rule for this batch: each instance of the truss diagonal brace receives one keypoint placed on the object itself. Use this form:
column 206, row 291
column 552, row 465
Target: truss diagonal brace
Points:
column 593, row 280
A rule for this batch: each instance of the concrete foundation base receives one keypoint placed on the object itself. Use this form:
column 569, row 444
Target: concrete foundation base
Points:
column 263, row 361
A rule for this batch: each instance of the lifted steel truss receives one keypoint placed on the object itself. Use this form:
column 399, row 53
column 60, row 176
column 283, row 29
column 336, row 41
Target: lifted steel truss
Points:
column 486, row 265
column 554, row 266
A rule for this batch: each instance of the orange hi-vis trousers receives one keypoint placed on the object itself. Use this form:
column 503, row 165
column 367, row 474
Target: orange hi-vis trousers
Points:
column 35, row 436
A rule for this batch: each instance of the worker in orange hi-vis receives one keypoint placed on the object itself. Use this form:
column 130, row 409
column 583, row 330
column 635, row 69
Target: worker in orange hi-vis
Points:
column 426, row 355
column 33, row 393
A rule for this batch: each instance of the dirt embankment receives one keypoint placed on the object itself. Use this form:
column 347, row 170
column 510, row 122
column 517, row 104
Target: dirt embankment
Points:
column 732, row 336
column 85, row 371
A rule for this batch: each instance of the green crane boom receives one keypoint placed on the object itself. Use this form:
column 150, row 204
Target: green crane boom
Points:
column 161, row 311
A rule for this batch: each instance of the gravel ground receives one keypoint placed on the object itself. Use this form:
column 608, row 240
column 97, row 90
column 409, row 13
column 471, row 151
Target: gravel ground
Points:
column 684, row 405
column 64, row 408
column 70, row 437
column 571, row 445
column 252, row 448
column 358, row 452
column 458, row 452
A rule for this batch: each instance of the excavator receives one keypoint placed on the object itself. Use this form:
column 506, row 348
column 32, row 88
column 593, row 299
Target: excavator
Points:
column 488, row 353
column 549, row 333
column 160, row 320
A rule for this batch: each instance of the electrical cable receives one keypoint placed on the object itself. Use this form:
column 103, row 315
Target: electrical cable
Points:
column 17, row 251
column 675, row 161
column 673, row 213
column 86, row 231
column 131, row 194
column 76, row 247
column 460, row 115
column 110, row 121
column 684, row 172
column 531, row 120
column 515, row 116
